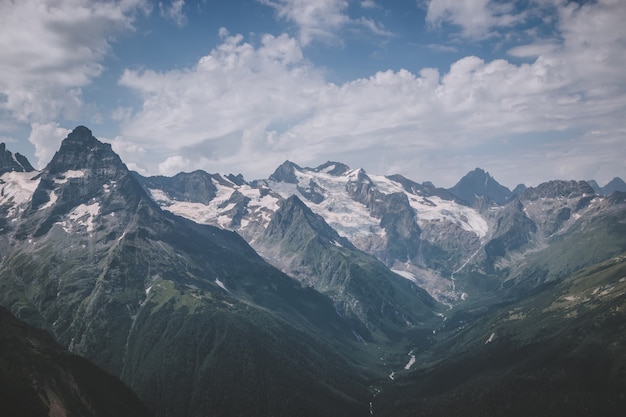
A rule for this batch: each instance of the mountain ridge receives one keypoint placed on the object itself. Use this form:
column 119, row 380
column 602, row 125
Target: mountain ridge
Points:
column 10, row 162
column 479, row 183
column 101, row 266
column 305, row 290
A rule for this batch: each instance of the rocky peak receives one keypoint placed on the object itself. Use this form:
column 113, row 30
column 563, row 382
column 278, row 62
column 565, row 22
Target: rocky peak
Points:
column 425, row 189
column 478, row 183
column 236, row 179
column 596, row 187
column 13, row 162
column 84, row 171
column 616, row 184
column 518, row 190
column 295, row 224
column 360, row 186
column 286, row 172
column 333, row 168
column 195, row 187
column 559, row 189
column 82, row 151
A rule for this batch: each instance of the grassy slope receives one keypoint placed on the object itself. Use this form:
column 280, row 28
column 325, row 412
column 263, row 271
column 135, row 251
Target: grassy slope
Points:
column 39, row 378
column 266, row 347
column 561, row 351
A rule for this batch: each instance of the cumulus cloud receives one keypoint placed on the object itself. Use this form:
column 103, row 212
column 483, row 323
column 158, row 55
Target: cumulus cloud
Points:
column 237, row 86
column 47, row 138
column 50, row 50
column 263, row 103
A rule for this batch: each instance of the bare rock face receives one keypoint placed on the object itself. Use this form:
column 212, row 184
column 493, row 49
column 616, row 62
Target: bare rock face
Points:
column 95, row 261
column 194, row 187
column 13, row 162
column 286, row 173
column 479, row 183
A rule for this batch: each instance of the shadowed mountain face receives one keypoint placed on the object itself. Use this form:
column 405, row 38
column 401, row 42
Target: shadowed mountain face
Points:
column 10, row 162
column 321, row 291
column 479, row 183
column 362, row 288
column 154, row 298
column 39, row 378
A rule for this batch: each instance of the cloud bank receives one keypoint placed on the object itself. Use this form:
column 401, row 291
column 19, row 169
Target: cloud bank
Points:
column 263, row 103
column 552, row 106
column 51, row 50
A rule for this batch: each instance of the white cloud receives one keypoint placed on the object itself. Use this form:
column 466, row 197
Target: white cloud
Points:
column 477, row 18
column 175, row 164
column 174, row 12
column 265, row 103
column 315, row 19
column 235, row 87
column 47, row 138
column 369, row 4
column 323, row 19
column 533, row 50
column 374, row 27
column 442, row 48
column 50, row 50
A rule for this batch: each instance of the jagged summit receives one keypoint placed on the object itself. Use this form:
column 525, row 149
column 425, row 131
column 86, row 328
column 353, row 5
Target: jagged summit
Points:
column 196, row 186
column 82, row 151
column 13, row 162
column 84, row 172
column 616, row 184
column 286, row 173
column 479, row 183
column 559, row 188
column 292, row 209
column 333, row 168
column 518, row 190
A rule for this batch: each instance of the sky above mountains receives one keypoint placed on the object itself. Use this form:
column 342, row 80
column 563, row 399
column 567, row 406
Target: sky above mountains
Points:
column 530, row 90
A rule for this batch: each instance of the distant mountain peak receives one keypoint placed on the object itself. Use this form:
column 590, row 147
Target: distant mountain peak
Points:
column 13, row 162
column 559, row 188
column 479, row 183
column 81, row 151
column 333, row 168
column 82, row 169
column 286, row 173
column 616, row 184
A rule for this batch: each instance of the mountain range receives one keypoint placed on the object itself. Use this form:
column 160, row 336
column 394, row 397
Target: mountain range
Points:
column 322, row 291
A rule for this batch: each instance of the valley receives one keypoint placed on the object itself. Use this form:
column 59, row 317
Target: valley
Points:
column 321, row 291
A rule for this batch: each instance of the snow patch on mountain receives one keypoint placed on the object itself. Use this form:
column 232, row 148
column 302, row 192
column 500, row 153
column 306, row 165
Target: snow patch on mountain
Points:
column 51, row 201
column 405, row 274
column 221, row 284
column 16, row 190
column 352, row 219
column 67, row 175
column 216, row 212
column 83, row 215
column 349, row 218
column 411, row 361
column 435, row 208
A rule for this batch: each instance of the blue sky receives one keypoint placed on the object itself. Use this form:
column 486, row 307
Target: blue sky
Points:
column 529, row 90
